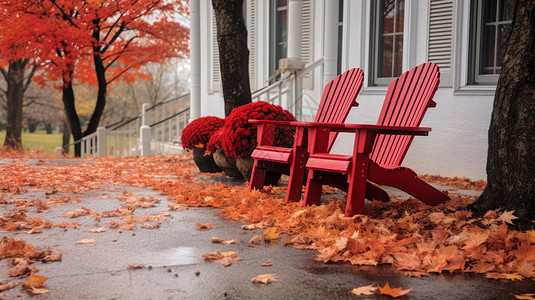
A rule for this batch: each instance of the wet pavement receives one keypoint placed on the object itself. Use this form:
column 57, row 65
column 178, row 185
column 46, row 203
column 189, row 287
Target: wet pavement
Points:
column 173, row 267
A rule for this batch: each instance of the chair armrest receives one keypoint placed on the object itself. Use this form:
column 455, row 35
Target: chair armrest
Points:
column 378, row 129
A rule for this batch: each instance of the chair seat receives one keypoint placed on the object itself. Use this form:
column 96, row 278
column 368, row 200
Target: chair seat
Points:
column 272, row 153
column 329, row 162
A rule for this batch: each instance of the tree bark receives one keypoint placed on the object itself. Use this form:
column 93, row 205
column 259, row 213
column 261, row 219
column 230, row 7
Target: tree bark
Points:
column 233, row 53
column 511, row 152
column 15, row 97
column 102, row 85
column 70, row 111
column 66, row 135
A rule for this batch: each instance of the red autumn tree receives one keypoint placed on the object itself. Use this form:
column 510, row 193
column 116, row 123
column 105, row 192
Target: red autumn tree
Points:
column 99, row 42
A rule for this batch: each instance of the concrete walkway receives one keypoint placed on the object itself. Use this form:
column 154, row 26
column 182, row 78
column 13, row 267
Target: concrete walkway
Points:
column 174, row 269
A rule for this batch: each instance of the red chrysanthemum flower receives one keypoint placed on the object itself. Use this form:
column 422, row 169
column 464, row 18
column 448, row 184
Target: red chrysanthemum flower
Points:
column 239, row 136
column 199, row 131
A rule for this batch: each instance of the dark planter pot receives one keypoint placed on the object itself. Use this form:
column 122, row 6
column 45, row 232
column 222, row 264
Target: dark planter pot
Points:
column 205, row 163
column 226, row 164
column 245, row 166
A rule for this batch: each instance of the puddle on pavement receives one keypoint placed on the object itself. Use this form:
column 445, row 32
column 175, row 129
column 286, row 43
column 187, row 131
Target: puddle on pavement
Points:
column 180, row 256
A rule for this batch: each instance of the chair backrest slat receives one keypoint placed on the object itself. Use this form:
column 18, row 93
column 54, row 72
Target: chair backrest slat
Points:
column 338, row 97
column 406, row 103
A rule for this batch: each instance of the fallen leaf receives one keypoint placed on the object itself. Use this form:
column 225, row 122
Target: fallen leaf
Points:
column 97, row 230
column 508, row 217
column 227, row 261
column 255, row 240
column 34, row 290
column 128, row 226
column 135, row 266
column 265, row 278
column 113, row 224
column 150, row 226
column 36, row 280
column 7, row 286
column 21, row 269
column 52, row 255
column 393, row 292
column 224, row 258
column 364, row 290
column 513, row 277
column 15, row 248
column 205, row 225
column 271, row 234
column 176, row 206
column 88, row 242
column 525, row 296
column 217, row 240
column 267, row 263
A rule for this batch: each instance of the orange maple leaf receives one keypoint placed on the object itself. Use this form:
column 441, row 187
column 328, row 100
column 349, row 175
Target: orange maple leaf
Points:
column 393, row 292
column 508, row 217
column 364, row 290
column 36, row 280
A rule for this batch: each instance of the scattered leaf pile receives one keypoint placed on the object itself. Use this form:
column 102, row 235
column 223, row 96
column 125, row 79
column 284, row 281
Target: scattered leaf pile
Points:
column 407, row 234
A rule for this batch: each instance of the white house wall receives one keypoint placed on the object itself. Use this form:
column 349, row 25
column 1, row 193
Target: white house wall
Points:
column 457, row 144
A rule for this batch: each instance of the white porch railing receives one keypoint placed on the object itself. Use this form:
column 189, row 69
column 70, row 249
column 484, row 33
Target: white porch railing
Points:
column 158, row 128
column 288, row 91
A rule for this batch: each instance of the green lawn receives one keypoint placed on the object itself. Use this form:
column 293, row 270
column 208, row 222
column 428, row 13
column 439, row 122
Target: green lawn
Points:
column 39, row 140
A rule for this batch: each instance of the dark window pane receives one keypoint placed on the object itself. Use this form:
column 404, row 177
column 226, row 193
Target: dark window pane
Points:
column 400, row 12
column 503, row 38
column 385, row 68
column 398, row 55
column 506, row 10
column 339, row 60
column 487, row 50
column 388, row 8
column 489, row 10
column 341, row 11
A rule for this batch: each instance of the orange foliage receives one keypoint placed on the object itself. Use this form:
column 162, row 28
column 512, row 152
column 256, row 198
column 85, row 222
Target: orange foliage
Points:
column 407, row 234
column 70, row 36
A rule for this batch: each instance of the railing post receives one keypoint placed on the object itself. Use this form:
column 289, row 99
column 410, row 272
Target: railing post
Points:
column 101, row 142
column 146, row 114
column 82, row 147
column 145, row 140
column 298, row 96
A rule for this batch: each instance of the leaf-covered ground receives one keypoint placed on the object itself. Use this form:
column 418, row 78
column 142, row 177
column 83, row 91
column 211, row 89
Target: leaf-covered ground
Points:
column 407, row 234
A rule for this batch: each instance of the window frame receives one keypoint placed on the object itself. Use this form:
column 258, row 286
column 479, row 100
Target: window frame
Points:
column 273, row 31
column 475, row 78
column 375, row 26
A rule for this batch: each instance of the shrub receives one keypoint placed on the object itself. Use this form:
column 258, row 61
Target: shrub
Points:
column 239, row 136
column 199, row 131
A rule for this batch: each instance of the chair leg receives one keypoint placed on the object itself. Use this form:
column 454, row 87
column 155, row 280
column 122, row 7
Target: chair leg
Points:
column 406, row 180
column 312, row 191
column 297, row 175
column 357, row 186
column 258, row 176
column 377, row 193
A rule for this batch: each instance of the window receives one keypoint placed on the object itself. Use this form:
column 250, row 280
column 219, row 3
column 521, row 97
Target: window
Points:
column 387, row 40
column 279, row 33
column 491, row 25
column 340, row 35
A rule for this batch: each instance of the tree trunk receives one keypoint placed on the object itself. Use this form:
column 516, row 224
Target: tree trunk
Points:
column 66, row 136
column 511, row 155
column 15, row 97
column 72, row 115
column 102, row 87
column 233, row 53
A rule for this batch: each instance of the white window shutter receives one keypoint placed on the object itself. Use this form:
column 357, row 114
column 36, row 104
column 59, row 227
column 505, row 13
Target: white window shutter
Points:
column 216, row 77
column 306, row 45
column 251, row 32
column 440, row 38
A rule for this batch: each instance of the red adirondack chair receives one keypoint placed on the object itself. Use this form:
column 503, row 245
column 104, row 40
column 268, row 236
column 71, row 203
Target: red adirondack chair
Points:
column 378, row 149
column 337, row 100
